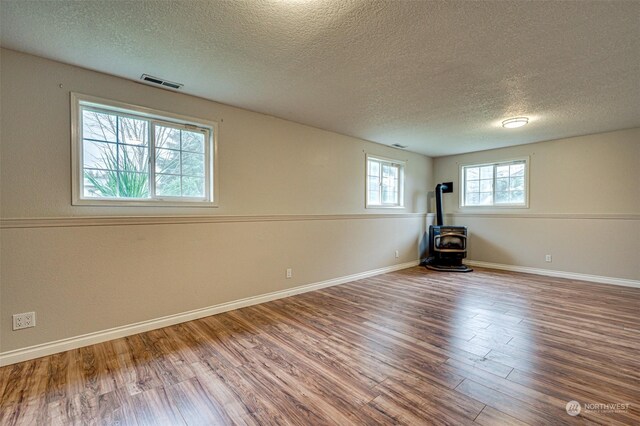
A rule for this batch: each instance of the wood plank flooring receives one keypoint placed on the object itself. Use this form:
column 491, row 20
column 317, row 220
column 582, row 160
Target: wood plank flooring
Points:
column 410, row 347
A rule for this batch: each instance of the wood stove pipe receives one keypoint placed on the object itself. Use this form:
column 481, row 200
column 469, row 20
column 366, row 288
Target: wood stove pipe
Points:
column 440, row 188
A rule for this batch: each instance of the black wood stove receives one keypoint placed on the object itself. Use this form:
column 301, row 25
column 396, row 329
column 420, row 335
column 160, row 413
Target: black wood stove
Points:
column 447, row 243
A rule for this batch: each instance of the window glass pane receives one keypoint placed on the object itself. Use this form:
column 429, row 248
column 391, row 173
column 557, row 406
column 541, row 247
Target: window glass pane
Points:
column 517, row 183
column 192, row 186
column 373, row 179
column 192, row 141
column 115, row 150
column 374, row 197
column 486, row 172
column 502, row 184
column 473, row 173
column 502, row 171
column 473, row 186
column 133, row 158
column 374, row 168
column 388, row 183
column 472, row 199
column 133, row 185
column 99, row 155
column 133, row 131
column 486, row 185
column 100, row 183
column 517, row 197
column 192, row 164
column 516, row 170
column 502, row 197
column 389, row 196
column 385, row 196
column 167, row 137
column 168, row 185
column 167, row 161
column 389, row 189
column 99, row 126
column 374, row 183
column 486, row 198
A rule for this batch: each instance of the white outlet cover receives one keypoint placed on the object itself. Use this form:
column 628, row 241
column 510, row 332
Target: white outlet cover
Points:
column 24, row 320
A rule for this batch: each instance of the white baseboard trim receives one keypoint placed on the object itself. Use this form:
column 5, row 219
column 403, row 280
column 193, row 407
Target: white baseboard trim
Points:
column 560, row 274
column 37, row 351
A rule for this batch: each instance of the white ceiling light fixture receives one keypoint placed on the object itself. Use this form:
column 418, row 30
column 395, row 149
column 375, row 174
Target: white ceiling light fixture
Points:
column 512, row 123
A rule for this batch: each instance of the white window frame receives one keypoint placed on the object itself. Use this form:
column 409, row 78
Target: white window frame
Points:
column 401, row 170
column 495, row 163
column 164, row 118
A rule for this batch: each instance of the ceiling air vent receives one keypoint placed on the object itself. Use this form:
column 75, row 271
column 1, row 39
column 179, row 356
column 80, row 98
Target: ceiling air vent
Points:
column 397, row 145
column 160, row 82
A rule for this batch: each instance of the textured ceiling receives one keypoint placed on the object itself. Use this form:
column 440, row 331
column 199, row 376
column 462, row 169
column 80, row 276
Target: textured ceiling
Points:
column 436, row 76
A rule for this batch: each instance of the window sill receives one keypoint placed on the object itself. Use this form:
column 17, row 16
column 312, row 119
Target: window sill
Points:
column 384, row 207
column 489, row 209
column 150, row 203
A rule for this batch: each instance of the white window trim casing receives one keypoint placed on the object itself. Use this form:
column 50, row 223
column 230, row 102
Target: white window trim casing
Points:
column 486, row 209
column 401, row 180
column 77, row 180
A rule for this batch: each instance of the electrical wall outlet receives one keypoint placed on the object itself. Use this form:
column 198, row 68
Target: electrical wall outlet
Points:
column 397, row 254
column 289, row 273
column 24, row 320
column 547, row 258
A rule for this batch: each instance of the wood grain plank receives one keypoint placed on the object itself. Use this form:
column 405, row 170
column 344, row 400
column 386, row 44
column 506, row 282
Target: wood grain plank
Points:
column 492, row 417
column 408, row 347
column 154, row 407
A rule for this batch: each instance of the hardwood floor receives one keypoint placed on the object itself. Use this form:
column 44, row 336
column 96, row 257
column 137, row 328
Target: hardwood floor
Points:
column 410, row 347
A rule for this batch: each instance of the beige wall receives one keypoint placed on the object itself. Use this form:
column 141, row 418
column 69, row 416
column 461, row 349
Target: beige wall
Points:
column 584, row 207
column 82, row 279
column 267, row 165
column 90, row 278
